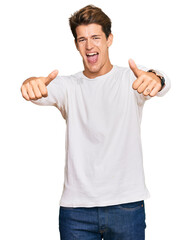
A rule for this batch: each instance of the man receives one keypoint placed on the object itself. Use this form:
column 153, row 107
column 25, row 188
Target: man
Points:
column 104, row 187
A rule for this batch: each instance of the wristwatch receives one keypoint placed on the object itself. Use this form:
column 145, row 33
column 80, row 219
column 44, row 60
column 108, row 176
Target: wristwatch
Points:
column 158, row 74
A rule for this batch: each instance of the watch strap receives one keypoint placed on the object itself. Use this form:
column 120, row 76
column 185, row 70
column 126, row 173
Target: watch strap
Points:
column 158, row 75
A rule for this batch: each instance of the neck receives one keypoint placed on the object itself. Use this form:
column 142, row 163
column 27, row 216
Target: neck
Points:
column 103, row 70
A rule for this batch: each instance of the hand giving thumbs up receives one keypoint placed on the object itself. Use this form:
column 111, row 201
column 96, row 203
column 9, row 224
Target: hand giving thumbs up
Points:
column 147, row 83
column 34, row 88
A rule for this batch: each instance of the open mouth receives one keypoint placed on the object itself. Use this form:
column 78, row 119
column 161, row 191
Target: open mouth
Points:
column 92, row 57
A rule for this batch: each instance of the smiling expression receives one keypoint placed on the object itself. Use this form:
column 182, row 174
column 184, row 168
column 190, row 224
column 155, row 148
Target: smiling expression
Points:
column 93, row 47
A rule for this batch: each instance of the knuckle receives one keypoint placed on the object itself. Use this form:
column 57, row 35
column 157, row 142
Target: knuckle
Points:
column 44, row 91
column 139, row 90
column 144, row 75
column 32, row 82
column 23, row 96
column 32, row 95
column 45, row 94
column 38, row 96
column 26, row 84
column 26, row 98
column 39, row 80
column 23, row 88
column 134, row 86
column 33, row 98
column 35, row 84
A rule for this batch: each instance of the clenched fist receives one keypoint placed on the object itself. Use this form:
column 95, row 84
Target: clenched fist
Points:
column 146, row 83
column 34, row 88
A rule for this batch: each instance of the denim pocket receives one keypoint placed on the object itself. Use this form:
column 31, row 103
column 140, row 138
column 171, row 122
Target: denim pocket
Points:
column 132, row 205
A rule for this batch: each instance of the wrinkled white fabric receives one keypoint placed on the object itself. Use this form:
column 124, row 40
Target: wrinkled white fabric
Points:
column 103, row 151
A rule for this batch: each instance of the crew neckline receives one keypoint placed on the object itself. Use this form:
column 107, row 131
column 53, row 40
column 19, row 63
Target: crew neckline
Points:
column 99, row 77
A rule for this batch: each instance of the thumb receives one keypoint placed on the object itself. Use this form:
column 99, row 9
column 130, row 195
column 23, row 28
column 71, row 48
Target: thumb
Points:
column 137, row 72
column 51, row 77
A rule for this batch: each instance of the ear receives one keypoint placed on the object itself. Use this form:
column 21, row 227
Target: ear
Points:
column 110, row 40
column 76, row 44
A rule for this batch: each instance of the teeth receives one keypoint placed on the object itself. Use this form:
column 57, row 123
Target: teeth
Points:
column 91, row 54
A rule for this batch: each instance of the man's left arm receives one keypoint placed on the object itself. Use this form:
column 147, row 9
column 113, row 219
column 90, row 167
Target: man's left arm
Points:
column 149, row 82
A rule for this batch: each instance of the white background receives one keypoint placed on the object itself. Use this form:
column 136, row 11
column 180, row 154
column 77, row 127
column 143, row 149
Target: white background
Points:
column 35, row 40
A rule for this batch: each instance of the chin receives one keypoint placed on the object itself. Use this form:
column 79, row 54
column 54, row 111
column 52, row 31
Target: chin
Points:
column 93, row 68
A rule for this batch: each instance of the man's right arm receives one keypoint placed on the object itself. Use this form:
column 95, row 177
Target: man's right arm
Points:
column 34, row 88
column 47, row 91
column 42, row 90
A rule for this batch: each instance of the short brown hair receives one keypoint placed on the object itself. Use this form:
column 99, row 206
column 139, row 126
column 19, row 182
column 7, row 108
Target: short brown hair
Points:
column 87, row 15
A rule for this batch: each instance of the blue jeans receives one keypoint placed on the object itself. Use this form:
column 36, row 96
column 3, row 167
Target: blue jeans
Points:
column 117, row 222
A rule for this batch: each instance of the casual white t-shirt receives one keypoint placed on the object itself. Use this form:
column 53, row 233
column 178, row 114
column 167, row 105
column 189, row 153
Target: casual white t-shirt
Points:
column 103, row 151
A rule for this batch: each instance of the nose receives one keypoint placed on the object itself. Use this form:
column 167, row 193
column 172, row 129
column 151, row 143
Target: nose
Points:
column 89, row 44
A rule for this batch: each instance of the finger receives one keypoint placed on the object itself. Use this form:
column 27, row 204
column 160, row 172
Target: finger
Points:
column 142, row 87
column 30, row 92
column 24, row 93
column 51, row 77
column 155, row 90
column 35, row 89
column 137, row 72
column 148, row 89
column 138, row 82
column 42, row 88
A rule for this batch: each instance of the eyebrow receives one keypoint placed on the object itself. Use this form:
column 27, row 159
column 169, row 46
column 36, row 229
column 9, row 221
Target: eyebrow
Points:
column 95, row 35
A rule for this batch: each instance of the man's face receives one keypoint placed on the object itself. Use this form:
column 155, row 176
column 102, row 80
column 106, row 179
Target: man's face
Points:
column 92, row 40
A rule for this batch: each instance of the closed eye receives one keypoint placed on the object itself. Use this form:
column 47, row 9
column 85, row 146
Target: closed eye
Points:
column 83, row 39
